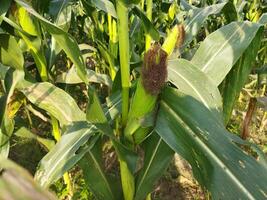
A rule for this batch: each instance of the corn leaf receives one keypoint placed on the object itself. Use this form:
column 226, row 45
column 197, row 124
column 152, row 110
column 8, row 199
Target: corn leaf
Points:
column 157, row 158
column 95, row 177
column 229, row 42
column 65, row 154
column 238, row 76
column 10, row 53
column 263, row 19
column 148, row 26
column 104, row 5
column 23, row 132
column 65, row 40
column 4, row 8
column 62, row 20
column 56, row 7
column 12, row 78
column 188, row 78
column 218, row 163
column 197, row 17
column 23, row 186
column 53, row 100
column 71, row 77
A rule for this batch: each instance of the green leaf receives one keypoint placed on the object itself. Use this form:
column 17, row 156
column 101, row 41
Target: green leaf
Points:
column 53, row 100
column 94, row 174
column 4, row 8
column 17, row 183
column 113, row 105
column 104, row 5
column 26, row 133
column 27, row 23
column 148, row 26
column 189, row 79
column 129, row 2
column 34, row 44
column 65, row 154
column 218, row 164
column 7, row 125
column 197, row 17
column 3, row 71
column 126, row 155
column 10, row 53
column 157, row 158
column 56, row 7
column 71, row 77
column 65, row 40
column 4, row 142
column 229, row 42
column 95, row 114
column 263, row 19
column 186, row 6
column 62, row 20
column 94, row 111
column 238, row 76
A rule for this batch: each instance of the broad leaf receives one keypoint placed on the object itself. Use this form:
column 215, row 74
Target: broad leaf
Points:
column 157, row 158
column 148, row 26
column 263, row 19
column 17, row 183
column 186, row 6
column 53, row 100
column 56, row 7
column 229, row 42
column 221, row 166
column 27, row 23
column 26, row 133
column 65, row 40
column 94, row 174
column 104, row 5
column 11, row 81
column 71, row 77
column 35, row 47
column 238, row 76
column 64, row 155
column 62, row 20
column 189, row 79
column 197, row 17
column 4, row 8
column 10, row 53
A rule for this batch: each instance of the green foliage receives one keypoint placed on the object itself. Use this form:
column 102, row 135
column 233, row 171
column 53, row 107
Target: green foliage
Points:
column 89, row 92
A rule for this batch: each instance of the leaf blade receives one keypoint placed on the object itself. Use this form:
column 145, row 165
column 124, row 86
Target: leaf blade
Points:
column 229, row 42
column 217, row 162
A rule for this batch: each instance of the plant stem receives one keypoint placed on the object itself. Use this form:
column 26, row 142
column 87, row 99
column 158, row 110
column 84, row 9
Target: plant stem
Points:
column 123, row 32
column 149, row 6
column 127, row 178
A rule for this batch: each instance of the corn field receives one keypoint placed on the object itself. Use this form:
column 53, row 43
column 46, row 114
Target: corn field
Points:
column 100, row 98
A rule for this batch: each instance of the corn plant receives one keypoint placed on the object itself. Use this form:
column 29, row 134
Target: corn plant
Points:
column 162, row 96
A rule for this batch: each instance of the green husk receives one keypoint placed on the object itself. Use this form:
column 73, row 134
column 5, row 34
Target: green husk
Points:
column 144, row 101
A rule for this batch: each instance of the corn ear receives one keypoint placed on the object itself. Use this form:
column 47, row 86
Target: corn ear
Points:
column 153, row 77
